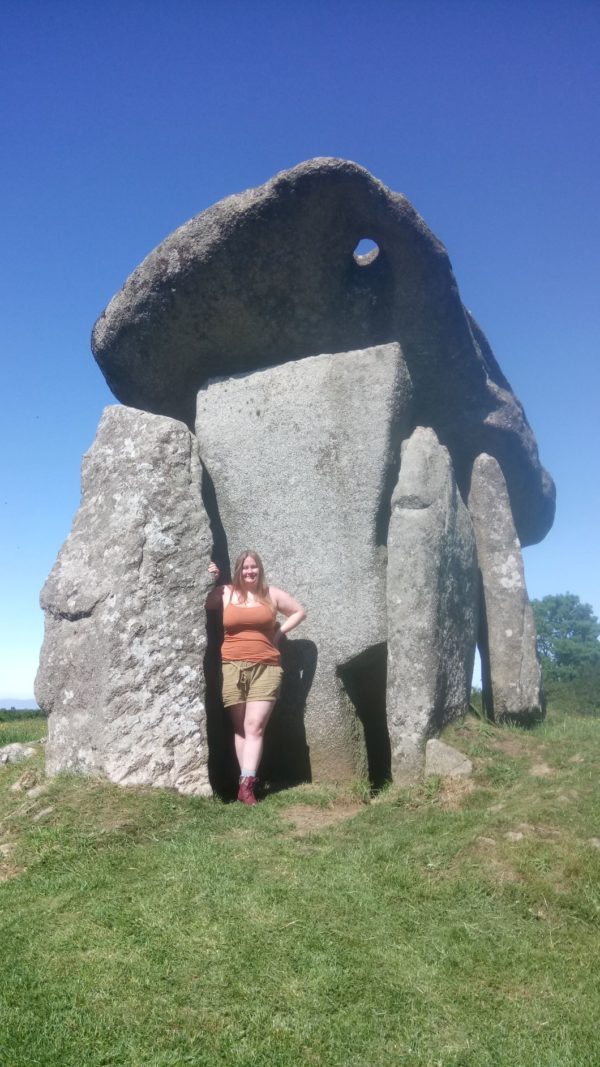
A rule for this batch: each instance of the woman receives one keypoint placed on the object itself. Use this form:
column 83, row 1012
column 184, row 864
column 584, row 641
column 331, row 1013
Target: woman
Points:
column 250, row 657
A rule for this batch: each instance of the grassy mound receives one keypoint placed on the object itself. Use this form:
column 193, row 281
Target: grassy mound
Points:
column 451, row 924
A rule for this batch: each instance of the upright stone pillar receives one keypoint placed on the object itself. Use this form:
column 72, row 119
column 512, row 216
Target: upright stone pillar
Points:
column 302, row 457
column 120, row 672
column 431, row 601
column 511, row 673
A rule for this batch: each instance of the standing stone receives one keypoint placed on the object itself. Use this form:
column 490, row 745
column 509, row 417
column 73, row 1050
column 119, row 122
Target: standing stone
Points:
column 303, row 457
column 121, row 665
column 511, row 673
column 431, row 601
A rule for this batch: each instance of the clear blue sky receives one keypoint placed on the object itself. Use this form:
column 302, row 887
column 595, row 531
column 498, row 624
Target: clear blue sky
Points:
column 119, row 121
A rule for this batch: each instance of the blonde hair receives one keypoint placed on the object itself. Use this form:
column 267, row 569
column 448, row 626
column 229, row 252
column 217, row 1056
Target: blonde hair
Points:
column 262, row 586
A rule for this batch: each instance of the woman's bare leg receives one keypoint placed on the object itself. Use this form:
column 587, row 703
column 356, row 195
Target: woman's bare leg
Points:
column 237, row 713
column 257, row 715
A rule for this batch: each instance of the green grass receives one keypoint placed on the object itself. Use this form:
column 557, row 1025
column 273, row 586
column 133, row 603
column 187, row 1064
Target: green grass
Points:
column 21, row 726
column 143, row 929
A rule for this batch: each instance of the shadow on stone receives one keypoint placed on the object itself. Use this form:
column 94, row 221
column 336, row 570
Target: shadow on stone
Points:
column 222, row 765
column 286, row 759
column 364, row 679
column 487, row 696
column 220, row 549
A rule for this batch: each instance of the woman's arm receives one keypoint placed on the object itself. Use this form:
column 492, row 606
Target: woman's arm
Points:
column 286, row 605
column 215, row 598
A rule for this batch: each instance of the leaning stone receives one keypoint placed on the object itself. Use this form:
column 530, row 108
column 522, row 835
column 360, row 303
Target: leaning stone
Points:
column 511, row 673
column 431, row 601
column 303, row 457
column 121, row 673
column 446, row 761
column 16, row 751
column 269, row 275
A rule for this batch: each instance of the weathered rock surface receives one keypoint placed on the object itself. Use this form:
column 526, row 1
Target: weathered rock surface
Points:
column 432, row 597
column 446, row 761
column 303, row 457
column 511, row 673
column 16, row 751
column 121, row 665
column 269, row 275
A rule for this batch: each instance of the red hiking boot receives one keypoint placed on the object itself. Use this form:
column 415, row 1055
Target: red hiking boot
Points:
column 246, row 792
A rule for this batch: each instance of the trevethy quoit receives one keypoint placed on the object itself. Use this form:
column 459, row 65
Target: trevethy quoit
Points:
column 258, row 357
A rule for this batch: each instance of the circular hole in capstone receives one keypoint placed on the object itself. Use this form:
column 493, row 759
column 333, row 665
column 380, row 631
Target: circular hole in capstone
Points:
column 366, row 251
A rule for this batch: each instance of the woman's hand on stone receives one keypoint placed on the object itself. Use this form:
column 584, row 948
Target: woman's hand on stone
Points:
column 214, row 570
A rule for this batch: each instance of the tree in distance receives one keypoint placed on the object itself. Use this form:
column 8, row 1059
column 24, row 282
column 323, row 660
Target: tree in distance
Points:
column 569, row 651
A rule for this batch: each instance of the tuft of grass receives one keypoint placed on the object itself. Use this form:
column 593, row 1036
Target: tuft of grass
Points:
column 502, row 771
column 435, row 925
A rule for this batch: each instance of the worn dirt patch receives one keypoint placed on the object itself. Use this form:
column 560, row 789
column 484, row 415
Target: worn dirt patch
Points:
column 510, row 744
column 500, row 872
column 307, row 820
column 8, row 869
column 540, row 770
column 453, row 792
column 541, row 831
column 27, row 781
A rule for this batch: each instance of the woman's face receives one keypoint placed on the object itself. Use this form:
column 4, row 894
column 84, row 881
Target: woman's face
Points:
column 250, row 572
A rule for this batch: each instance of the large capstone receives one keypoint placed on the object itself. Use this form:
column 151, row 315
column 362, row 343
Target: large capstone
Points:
column 270, row 275
column 432, row 597
column 511, row 673
column 303, row 458
column 120, row 673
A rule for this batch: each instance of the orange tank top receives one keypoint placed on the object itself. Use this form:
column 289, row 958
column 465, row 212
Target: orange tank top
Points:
column 249, row 634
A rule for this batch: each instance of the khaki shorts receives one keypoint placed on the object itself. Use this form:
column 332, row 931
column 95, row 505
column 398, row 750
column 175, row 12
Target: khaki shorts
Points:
column 244, row 681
